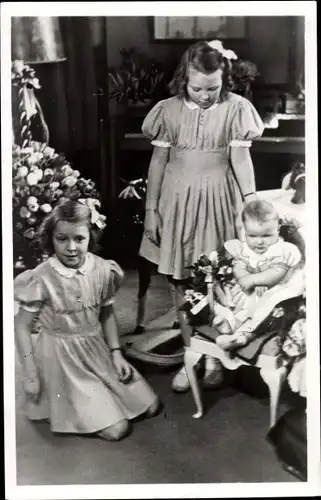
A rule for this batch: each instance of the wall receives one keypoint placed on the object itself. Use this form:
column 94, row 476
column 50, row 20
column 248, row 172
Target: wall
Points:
column 268, row 43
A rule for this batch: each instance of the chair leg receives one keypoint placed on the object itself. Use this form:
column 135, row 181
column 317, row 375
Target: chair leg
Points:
column 274, row 380
column 190, row 359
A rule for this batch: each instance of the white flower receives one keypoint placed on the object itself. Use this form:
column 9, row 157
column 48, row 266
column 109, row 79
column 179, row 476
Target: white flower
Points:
column 34, row 208
column 69, row 181
column 48, row 171
column 54, row 185
column 37, row 171
column 76, row 173
column 24, row 213
column 27, row 151
column 278, row 312
column 22, row 171
column 39, row 174
column 34, row 158
column 66, row 170
column 32, row 179
column 213, row 256
column 46, row 208
column 18, row 66
column 32, row 200
column 48, row 152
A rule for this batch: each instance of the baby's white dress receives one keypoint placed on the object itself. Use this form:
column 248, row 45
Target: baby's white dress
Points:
column 281, row 254
column 80, row 390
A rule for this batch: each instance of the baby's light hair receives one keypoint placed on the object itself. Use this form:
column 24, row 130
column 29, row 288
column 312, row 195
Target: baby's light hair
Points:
column 260, row 211
column 70, row 211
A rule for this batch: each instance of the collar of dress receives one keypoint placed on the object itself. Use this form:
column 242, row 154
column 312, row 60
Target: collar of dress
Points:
column 68, row 272
column 193, row 105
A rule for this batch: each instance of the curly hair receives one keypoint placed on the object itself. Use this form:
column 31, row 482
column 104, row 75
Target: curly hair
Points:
column 71, row 211
column 203, row 58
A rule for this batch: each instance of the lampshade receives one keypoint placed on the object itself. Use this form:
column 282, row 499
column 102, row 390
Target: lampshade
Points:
column 36, row 40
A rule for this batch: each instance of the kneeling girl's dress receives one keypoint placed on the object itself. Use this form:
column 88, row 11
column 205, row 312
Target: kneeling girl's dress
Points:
column 80, row 390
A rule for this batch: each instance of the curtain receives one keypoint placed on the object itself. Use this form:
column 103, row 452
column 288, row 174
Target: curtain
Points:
column 69, row 92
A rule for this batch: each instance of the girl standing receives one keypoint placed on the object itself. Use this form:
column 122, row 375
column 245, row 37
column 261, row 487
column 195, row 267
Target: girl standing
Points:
column 200, row 172
column 74, row 374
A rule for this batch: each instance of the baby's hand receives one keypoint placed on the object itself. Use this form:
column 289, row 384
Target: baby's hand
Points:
column 260, row 290
column 31, row 387
column 123, row 369
column 246, row 283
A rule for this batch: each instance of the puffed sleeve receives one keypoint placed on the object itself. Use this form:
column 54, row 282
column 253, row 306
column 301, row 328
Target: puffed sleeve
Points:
column 234, row 248
column 28, row 292
column 246, row 126
column 289, row 258
column 154, row 127
column 113, row 278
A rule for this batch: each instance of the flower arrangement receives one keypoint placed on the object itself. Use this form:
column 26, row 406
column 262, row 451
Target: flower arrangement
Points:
column 41, row 178
column 137, row 79
column 212, row 279
column 243, row 74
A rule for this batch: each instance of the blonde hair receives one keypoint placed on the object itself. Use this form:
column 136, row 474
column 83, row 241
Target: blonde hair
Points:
column 260, row 211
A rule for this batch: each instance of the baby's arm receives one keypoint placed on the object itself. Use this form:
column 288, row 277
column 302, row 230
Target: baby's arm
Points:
column 243, row 276
column 270, row 277
column 111, row 335
column 22, row 327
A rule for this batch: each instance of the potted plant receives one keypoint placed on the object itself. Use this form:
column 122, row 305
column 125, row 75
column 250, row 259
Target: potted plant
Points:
column 139, row 80
column 243, row 74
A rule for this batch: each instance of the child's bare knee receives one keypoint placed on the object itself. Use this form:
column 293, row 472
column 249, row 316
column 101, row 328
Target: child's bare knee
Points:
column 115, row 432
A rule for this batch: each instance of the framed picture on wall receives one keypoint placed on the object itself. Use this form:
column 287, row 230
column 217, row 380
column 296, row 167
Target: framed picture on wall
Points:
column 198, row 28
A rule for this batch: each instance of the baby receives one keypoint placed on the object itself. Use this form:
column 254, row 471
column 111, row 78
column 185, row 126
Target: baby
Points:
column 263, row 266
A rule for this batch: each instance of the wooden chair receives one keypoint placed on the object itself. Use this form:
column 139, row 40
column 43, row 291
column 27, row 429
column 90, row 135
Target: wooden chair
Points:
column 203, row 341
column 266, row 362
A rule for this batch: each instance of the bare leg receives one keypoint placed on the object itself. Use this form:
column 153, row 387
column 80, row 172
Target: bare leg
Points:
column 115, row 432
column 145, row 269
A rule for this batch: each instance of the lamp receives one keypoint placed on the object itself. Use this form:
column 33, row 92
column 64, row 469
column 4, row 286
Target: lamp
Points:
column 36, row 40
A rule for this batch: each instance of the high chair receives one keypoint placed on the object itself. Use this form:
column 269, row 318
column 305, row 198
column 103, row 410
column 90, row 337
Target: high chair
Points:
column 270, row 373
column 203, row 341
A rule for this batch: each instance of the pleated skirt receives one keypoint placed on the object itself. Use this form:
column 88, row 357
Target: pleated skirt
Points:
column 200, row 207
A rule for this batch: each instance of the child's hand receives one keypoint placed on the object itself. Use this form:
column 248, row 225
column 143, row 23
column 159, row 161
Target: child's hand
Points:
column 260, row 290
column 246, row 283
column 31, row 387
column 153, row 226
column 122, row 367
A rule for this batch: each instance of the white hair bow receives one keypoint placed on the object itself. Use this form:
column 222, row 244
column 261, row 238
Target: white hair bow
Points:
column 96, row 217
column 218, row 45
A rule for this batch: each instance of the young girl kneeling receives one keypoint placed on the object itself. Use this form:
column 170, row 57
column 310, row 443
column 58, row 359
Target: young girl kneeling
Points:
column 75, row 374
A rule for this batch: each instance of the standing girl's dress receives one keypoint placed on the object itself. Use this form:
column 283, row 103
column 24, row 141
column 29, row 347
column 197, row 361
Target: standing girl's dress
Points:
column 80, row 390
column 200, row 202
